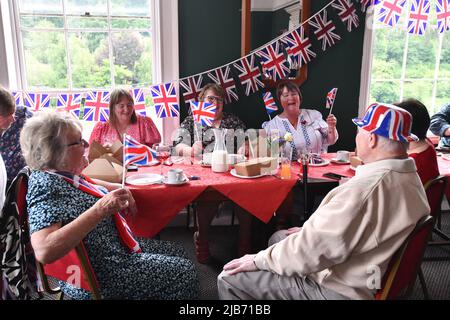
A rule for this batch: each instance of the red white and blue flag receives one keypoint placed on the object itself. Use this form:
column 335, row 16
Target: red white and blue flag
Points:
column 223, row 78
column 331, row 96
column 137, row 153
column 273, row 61
column 87, row 185
column 443, row 15
column 36, row 101
column 203, row 112
column 418, row 16
column 165, row 100
column 249, row 74
column 191, row 88
column 298, row 47
column 269, row 102
column 324, row 29
column 365, row 4
column 139, row 101
column 347, row 13
column 96, row 106
column 17, row 97
column 390, row 12
column 70, row 102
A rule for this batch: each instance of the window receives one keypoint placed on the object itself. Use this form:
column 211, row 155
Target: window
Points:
column 410, row 66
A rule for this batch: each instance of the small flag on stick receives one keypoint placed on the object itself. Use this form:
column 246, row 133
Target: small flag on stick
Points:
column 269, row 102
column 331, row 96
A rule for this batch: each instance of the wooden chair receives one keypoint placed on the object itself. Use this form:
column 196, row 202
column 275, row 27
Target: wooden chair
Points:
column 404, row 267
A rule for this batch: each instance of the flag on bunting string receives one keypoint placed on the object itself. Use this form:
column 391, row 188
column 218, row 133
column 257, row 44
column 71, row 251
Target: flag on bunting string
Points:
column 165, row 100
column 136, row 152
column 222, row 77
column 70, row 102
column 96, row 106
column 365, row 4
column 331, row 96
column 191, row 88
column 347, row 13
column 203, row 112
column 36, row 101
column 324, row 29
column 269, row 102
column 273, row 61
column 390, row 12
column 418, row 16
column 250, row 75
column 298, row 47
column 17, row 97
column 139, row 101
column 443, row 15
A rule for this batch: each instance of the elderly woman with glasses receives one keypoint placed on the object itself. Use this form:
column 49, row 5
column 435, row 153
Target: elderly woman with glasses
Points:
column 123, row 119
column 66, row 207
column 193, row 138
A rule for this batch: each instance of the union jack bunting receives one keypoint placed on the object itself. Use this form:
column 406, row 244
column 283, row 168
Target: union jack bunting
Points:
column 249, row 74
column 87, row 185
column 203, row 113
column 269, row 102
column 390, row 12
column 365, row 4
column 418, row 16
column 191, row 88
column 36, row 101
column 137, row 153
column 330, row 98
column 70, row 102
column 347, row 13
column 273, row 61
column 443, row 15
column 324, row 30
column 165, row 99
column 298, row 47
column 222, row 77
column 96, row 106
column 17, row 97
column 139, row 101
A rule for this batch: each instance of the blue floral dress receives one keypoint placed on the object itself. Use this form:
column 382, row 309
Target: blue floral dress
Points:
column 161, row 271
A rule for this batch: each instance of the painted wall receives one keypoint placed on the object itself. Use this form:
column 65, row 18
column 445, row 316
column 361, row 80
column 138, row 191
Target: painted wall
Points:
column 209, row 32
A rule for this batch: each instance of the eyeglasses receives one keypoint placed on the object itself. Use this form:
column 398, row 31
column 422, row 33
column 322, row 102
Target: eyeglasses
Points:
column 82, row 142
column 214, row 98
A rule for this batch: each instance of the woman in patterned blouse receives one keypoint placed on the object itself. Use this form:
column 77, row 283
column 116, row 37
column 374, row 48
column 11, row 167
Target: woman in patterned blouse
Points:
column 123, row 119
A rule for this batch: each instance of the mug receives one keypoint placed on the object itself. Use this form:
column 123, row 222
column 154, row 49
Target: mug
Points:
column 343, row 156
column 175, row 176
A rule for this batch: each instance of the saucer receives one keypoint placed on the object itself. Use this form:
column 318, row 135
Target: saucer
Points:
column 234, row 174
column 143, row 179
column 178, row 183
column 336, row 161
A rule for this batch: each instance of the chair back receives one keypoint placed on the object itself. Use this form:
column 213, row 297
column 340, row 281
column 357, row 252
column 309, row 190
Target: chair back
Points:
column 435, row 190
column 404, row 265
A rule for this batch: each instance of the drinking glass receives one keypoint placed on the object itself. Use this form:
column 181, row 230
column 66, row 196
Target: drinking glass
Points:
column 286, row 157
column 163, row 152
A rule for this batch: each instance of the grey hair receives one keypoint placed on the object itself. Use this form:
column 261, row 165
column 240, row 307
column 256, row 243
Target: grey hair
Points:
column 392, row 146
column 44, row 137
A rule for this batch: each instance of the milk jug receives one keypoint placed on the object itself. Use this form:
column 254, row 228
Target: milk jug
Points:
column 219, row 157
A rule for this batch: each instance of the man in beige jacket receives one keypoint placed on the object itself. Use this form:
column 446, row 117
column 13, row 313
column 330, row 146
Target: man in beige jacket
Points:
column 344, row 248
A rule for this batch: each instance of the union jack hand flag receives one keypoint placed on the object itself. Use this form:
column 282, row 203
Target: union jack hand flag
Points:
column 17, row 97
column 96, row 106
column 165, row 99
column 365, row 4
column 330, row 98
column 324, row 30
column 443, row 15
column 137, row 153
column 139, row 101
column 418, row 16
column 273, row 61
column 347, row 13
column 36, row 101
column 222, row 77
column 203, row 113
column 192, row 87
column 249, row 75
column 299, row 47
column 269, row 102
column 70, row 102
column 390, row 12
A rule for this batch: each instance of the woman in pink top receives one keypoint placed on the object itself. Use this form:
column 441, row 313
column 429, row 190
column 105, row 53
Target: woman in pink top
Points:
column 123, row 119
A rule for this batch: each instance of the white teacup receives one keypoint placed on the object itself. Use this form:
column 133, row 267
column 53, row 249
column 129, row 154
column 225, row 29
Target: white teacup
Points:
column 175, row 176
column 343, row 156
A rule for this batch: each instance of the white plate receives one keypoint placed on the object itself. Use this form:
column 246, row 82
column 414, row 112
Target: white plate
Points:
column 143, row 179
column 178, row 183
column 323, row 164
column 334, row 160
column 150, row 164
column 233, row 173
